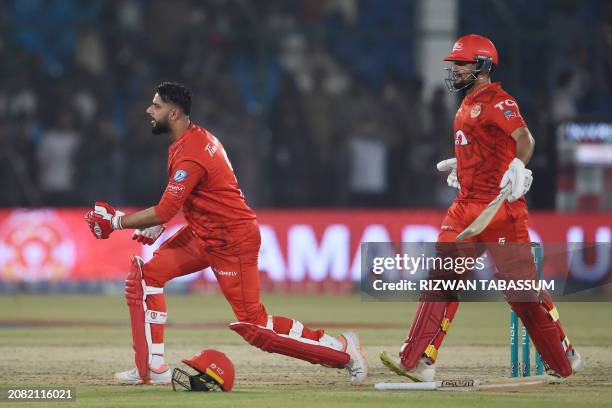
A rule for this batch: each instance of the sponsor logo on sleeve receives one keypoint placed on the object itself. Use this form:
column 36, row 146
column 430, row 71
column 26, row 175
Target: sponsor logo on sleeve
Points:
column 179, row 176
column 175, row 190
column 509, row 114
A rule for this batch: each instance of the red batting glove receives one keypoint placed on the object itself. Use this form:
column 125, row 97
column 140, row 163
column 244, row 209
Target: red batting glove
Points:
column 103, row 220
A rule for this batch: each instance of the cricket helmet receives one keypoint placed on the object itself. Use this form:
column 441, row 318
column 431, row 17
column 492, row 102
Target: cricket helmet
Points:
column 215, row 372
column 471, row 48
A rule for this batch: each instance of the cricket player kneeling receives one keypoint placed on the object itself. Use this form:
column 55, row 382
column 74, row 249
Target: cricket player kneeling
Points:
column 215, row 373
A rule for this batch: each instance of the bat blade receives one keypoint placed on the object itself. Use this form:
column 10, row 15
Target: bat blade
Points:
column 482, row 221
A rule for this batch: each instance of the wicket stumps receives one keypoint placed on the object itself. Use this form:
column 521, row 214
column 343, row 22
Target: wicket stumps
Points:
column 524, row 369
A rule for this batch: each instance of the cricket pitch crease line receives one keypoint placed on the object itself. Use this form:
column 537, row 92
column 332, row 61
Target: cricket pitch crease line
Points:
column 46, row 323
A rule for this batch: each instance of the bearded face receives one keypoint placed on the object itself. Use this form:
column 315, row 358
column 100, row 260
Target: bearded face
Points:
column 460, row 76
column 160, row 126
column 159, row 112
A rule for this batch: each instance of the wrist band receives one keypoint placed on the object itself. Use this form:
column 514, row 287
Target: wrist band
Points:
column 116, row 222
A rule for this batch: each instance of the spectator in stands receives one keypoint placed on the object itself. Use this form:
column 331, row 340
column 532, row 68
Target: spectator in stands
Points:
column 56, row 155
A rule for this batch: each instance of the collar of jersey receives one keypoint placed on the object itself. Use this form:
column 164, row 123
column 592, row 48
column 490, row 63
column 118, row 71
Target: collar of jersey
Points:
column 477, row 92
column 181, row 137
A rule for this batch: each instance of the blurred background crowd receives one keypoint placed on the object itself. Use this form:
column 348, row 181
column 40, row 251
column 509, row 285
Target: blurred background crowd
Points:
column 318, row 102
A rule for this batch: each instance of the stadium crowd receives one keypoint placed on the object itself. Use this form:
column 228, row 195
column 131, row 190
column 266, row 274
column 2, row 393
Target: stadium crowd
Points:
column 317, row 102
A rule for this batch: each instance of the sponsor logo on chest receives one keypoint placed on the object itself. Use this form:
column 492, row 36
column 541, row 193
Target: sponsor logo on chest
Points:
column 460, row 138
column 476, row 109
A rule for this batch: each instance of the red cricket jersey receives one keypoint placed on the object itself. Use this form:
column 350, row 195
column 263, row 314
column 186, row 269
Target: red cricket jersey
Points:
column 201, row 181
column 483, row 145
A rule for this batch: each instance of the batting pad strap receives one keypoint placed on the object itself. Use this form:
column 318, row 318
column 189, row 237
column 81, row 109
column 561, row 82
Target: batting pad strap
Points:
column 566, row 344
column 156, row 348
column 303, row 349
column 155, row 317
column 554, row 313
column 152, row 290
column 445, row 324
column 431, row 351
column 296, row 329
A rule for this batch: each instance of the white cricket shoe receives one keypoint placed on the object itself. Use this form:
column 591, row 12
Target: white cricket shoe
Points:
column 159, row 376
column 358, row 364
column 423, row 372
column 576, row 361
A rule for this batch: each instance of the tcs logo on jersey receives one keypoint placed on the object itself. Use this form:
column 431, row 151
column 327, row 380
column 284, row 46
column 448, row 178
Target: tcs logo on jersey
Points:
column 507, row 102
column 460, row 138
column 509, row 109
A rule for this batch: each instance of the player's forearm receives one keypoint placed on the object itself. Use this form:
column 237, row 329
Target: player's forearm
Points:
column 525, row 144
column 141, row 219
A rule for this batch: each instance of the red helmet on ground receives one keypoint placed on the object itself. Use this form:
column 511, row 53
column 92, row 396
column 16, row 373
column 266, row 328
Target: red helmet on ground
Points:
column 215, row 369
column 473, row 47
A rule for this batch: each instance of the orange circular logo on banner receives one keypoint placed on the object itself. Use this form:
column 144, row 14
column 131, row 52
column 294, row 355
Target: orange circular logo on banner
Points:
column 35, row 246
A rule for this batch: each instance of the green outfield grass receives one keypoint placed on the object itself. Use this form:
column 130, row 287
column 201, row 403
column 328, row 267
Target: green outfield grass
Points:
column 80, row 341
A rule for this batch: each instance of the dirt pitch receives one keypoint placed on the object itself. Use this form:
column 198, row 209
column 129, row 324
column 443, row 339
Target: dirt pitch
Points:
column 80, row 341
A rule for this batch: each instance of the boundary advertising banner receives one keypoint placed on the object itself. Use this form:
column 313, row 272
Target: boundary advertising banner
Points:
column 304, row 250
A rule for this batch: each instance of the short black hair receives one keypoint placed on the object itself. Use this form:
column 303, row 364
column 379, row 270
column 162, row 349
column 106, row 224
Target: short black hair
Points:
column 175, row 93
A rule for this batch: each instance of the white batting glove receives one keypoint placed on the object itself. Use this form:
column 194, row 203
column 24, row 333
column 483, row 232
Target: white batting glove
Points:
column 516, row 179
column 149, row 235
column 450, row 165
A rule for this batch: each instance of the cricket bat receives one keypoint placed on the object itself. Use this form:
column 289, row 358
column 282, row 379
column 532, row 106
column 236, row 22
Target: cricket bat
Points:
column 485, row 217
column 494, row 385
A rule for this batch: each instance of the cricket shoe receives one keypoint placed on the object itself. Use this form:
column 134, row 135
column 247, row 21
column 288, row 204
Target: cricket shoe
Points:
column 158, row 376
column 358, row 364
column 423, row 372
column 576, row 362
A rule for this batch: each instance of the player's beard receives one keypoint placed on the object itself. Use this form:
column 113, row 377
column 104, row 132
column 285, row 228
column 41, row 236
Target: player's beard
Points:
column 160, row 127
column 461, row 83
column 456, row 82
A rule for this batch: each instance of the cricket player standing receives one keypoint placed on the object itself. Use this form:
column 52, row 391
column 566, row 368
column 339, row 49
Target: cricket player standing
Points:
column 492, row 147
column 221, row 233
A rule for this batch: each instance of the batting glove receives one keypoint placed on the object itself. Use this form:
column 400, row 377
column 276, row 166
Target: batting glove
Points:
column 148, row 236
column 517, row 179
column 450, row 165
column 103, row 220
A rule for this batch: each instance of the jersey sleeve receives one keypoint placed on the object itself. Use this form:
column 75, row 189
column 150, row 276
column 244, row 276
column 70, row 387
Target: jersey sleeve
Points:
column 506, row 115
column 185, row 175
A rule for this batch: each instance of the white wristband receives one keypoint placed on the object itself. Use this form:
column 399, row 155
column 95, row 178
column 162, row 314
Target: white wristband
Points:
column 116, row 222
